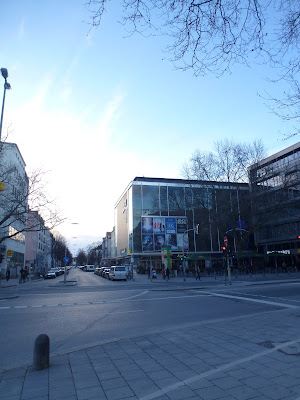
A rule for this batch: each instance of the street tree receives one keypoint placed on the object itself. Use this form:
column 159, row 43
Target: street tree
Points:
column 60, row 249
column 226, row 207
column 81, row 258
column 211, row 36
column 22, row 194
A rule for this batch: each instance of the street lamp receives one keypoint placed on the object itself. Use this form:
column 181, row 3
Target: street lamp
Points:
column 6, row 86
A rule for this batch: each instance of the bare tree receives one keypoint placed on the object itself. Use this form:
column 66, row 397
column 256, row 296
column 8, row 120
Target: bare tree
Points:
column 210, row 36
column 60, row 248
column 229, row 162
column 21, row 195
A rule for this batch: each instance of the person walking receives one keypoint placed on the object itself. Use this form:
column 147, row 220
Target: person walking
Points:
column 7, row 274
column 198, row 274
column 23, row 275
column 167, row 273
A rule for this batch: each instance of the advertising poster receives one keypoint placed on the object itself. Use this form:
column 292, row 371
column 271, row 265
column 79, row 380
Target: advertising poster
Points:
column 183, row 242
column 181, row 225
column 147, row 242
column 171, row 240
column 147, row 224
column 170, row 225
column 159, row 225
column 166, row 257
column 159, row 242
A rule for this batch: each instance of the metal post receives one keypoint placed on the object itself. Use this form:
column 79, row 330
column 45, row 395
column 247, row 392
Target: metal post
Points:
column 2, row 111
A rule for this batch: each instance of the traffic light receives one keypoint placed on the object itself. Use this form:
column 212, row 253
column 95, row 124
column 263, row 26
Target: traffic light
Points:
column 298, row 237
column 1, row 258
column 224, row 249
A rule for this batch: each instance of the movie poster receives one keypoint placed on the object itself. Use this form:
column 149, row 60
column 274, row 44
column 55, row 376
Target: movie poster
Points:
column 171, row 225
column 159, row 242
column 147, row 242
column 159, row 225
column 147, row 224
column 183, row 242
column 181, row 225
column 171, row 240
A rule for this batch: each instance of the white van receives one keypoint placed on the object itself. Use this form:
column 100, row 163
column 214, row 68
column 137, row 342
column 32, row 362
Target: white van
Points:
column 90, row 268
column 118, row 272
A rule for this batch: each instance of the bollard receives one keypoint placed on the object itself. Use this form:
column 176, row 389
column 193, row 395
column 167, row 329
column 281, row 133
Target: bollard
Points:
column 41, row 352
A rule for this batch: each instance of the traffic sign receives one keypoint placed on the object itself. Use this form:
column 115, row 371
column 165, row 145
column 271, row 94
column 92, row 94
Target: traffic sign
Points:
column 66, row 259
column 225, row 240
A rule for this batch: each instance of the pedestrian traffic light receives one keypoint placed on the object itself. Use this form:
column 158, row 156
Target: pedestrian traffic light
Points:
column 1, row 258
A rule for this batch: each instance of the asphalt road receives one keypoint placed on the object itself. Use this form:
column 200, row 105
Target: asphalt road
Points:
column 96, row 310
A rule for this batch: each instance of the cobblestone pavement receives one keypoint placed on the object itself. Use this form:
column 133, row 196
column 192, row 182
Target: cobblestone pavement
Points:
column 251, row 357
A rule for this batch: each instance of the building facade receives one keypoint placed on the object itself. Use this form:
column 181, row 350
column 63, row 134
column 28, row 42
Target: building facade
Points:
column 13, row 208
column 38, row 256
column 190, row 218
column 275, row 184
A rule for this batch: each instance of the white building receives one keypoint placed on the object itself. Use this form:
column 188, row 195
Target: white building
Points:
column 13, row 208
column 38, row 257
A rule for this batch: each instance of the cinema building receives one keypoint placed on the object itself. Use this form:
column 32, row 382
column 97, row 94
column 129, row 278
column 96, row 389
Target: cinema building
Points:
column 188, row 217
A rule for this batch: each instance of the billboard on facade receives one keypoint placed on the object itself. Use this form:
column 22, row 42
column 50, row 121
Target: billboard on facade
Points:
column 158, row 232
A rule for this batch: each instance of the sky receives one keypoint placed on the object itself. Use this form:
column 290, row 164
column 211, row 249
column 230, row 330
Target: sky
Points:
column 96, row 108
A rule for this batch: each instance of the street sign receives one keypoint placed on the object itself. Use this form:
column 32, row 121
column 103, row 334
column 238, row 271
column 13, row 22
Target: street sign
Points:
column 225, row 240
column 9, row 253
column 66, row 259
column 1, row 186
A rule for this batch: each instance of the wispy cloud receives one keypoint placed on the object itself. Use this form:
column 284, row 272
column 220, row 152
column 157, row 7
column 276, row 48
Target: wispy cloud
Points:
column 21, row 30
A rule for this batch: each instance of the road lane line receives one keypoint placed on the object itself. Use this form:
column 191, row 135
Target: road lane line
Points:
column 210, row 372
column 272, row 303
column 102, row 314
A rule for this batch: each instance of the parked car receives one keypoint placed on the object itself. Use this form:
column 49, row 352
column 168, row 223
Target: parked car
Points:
column 97, row 271
column 56, row 271
column 105, row 273
column 50, row 275
column 118, row 273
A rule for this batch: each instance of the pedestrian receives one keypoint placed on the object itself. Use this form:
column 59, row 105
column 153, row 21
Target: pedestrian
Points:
column 23, row 275
column 7, row 274
column 198, row 273
column 167, row 273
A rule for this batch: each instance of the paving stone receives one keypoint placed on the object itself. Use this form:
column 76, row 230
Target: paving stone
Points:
column 11, row 387
column 113, row 383
column 96, row 393
column 182, row 392
column 119, row 393
column 211, row 393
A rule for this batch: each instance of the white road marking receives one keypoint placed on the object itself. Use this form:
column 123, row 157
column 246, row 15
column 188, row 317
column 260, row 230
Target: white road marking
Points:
column 272, row 303
column 205, row 374
column 103, row 314
column 269, row 297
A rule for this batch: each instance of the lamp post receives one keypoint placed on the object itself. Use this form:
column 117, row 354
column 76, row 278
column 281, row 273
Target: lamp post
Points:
column 6, row 86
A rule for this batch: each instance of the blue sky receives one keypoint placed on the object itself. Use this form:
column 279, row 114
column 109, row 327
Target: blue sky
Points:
column 95, row 109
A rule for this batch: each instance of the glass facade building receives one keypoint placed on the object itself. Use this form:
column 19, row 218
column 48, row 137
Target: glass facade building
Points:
column 275, row 183
column 153, row 213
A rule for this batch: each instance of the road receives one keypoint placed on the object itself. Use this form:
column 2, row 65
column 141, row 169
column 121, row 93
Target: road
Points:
column 96, row 310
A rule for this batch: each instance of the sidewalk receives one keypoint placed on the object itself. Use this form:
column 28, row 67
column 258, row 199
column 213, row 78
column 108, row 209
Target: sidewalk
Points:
column 250, row 357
